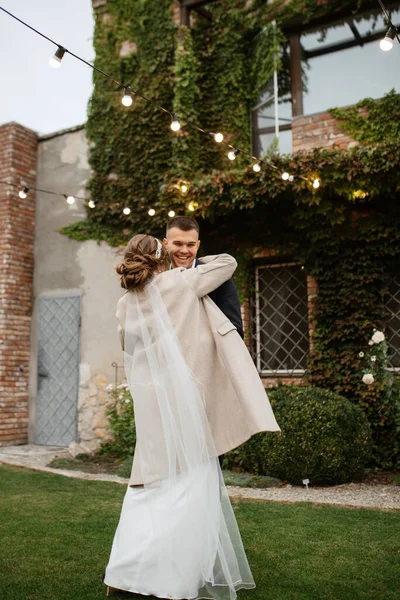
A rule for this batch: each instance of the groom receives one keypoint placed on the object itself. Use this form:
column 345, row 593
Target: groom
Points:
column 182, row 242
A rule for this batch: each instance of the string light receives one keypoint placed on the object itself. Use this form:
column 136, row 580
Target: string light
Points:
column 127, row 97
column 359, row 194
column 24, row 192
column 218, row 137
column 387, row 43
column 316, row 183
column 175, row 125
column 192, row 206
column 127, row 210
column 25, row 189
column 91, row 204
column 233, row 154
column 184, row 188
column 151, row 212
column 171, row 214
column 55, row 60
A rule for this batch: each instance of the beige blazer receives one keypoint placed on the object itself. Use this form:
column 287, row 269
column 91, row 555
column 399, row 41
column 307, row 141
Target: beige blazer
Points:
column 236, row 403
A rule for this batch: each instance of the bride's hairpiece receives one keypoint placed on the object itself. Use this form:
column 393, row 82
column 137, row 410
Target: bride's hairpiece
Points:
column 159, row 248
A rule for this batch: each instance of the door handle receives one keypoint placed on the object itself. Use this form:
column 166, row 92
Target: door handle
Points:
column 43, row 374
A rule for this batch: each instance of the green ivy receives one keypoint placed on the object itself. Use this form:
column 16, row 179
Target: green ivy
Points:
column 371, row 121
column 346, row 233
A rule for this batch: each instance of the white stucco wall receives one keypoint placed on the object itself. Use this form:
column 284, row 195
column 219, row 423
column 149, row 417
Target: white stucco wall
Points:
column 64, row 266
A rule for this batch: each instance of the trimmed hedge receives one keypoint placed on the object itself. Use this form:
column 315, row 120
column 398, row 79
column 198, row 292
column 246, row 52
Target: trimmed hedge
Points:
column 324, row 438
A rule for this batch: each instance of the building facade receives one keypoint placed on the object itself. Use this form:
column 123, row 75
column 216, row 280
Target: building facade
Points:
column 59, row 348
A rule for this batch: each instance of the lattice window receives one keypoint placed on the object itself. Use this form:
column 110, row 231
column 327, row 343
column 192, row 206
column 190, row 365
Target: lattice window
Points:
column 393, row 324
column 280, row 341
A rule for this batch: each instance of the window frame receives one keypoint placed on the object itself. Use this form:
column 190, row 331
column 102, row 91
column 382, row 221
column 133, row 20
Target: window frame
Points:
column 392, row 277
column 293, row 32
column 256, row 324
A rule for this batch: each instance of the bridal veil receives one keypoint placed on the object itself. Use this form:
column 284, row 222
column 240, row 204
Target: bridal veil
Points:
column 195, row 541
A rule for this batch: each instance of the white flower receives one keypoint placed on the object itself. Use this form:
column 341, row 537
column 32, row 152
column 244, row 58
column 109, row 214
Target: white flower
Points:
column 361, row 354
column 371, row 342
column 109, row 387
column 378, row 337
column 368, row 378
column 373, row 358
column 122, row 386
column 127, row 401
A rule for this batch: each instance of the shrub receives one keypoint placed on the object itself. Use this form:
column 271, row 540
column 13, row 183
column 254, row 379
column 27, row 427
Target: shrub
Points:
column 121, row 423
column 324, row 438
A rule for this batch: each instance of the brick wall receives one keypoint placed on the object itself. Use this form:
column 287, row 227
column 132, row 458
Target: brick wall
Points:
column 319, row 130
column 18, row 148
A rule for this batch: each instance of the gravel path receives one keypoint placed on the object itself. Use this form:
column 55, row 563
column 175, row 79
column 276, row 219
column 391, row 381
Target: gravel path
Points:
column 349, row 494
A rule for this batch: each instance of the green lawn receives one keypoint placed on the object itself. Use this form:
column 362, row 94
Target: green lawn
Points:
column 56, row 535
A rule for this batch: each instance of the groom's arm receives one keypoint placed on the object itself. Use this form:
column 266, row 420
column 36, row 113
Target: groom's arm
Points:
column 226, row 297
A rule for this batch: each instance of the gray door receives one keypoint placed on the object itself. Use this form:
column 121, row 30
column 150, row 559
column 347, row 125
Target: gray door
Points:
column 58, row 370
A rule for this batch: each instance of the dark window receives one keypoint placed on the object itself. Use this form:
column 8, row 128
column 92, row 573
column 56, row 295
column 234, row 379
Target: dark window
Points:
column 393, row 324
column 280, row 320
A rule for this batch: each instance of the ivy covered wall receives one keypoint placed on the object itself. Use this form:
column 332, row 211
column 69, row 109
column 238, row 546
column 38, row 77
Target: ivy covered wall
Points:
column 346, row 233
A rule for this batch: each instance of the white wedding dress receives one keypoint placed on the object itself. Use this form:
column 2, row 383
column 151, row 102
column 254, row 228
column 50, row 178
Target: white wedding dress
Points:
column 177, row 536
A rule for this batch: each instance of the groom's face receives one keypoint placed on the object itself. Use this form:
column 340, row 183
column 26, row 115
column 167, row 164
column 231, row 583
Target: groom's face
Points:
column 182, row 246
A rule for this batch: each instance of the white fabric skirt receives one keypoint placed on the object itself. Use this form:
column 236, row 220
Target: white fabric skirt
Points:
column 162, row 548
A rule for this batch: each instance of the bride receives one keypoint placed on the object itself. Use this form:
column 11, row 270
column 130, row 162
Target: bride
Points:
column 196, row 395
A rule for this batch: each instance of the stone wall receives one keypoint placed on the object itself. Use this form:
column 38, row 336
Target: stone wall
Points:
column 18, row 147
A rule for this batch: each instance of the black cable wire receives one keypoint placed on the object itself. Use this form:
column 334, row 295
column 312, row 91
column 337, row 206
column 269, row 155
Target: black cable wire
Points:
column 389, row 20
column 29, row 187
column 184, row 119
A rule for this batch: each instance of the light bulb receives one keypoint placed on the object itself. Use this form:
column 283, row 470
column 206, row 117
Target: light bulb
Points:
column 175, row 125
column 218, row 137
column 171, row 214
column 70, row 199
column 184, row 188
column 127, row 210
column 316, row 183
column 193, row 205
column 233, row 154
column 24, row 192
column 152, row 212
column 91, row 204
column 387, row 43
column 55, row 60
column 291, row 177
column 127, row 97
column 285, row 176
column 256, row 167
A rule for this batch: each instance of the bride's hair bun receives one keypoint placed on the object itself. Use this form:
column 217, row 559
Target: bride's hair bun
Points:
column 140, row 262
